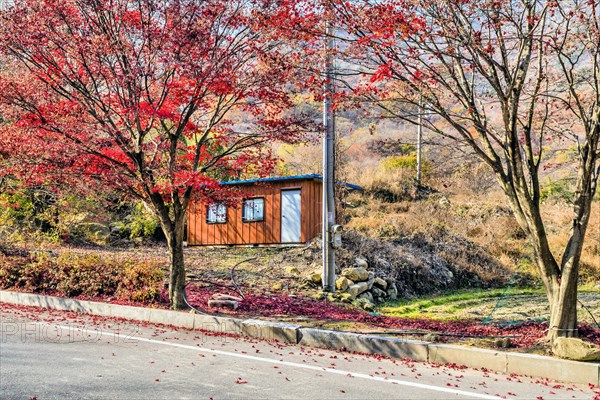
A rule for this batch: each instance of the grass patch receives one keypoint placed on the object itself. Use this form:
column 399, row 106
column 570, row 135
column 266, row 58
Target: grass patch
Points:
column 501, row 306
column 445, row 305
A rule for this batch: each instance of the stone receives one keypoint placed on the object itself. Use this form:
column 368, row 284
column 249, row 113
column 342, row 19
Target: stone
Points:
column 223, row 304
column 378, row 292
column 575, row 349
column 318, row 296
column 371, row 279
column 343, row 283
column 392, row 292
column 382, row 263
column 356, row 274
column 314, row 277
column 277, row 287
column 366, row 295
column 361, row 263
column 346, row 297
column 380, row 283
column 364, row 303
column 292, row 271
column 444, row 202
column 358, row 288
column 225, row 297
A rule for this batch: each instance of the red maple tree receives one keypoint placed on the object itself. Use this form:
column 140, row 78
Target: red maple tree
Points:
column 139, row 95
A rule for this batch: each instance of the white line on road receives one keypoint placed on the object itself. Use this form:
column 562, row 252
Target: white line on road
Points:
column 297, row 365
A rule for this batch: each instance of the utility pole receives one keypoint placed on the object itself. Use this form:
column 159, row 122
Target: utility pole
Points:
column 419, row 141
column 328, row 169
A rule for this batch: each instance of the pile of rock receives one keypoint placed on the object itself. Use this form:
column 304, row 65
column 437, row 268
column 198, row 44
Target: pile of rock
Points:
column 359, row 286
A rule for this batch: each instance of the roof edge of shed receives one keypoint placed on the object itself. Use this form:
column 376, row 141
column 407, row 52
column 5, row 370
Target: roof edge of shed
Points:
column 286, row 178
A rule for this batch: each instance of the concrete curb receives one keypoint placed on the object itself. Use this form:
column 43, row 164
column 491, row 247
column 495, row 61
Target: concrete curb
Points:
column 370, row 344
column 507, row 362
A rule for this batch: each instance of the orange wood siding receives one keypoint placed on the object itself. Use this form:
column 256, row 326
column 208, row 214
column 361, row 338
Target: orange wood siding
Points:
column 268, row 231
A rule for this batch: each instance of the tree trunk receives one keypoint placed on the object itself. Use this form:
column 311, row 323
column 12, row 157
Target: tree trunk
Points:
column 560, row 284
column 560, row 281
column 563, row 312
column 563, row 307
column 172, row 223
column 177, row 266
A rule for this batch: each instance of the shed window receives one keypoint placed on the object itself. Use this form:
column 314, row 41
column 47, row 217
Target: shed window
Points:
column 253, row 210
column 216, row 213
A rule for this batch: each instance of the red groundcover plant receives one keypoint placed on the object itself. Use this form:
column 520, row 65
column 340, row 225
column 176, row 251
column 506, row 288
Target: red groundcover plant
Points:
column 141, row 96
column 523, row 334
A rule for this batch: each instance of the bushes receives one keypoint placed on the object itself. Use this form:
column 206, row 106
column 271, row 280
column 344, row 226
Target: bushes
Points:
column 137, row 223
column 406, row 162
column 25, row 273
column 83, row 275
column 556, row 191
column 28, row 212
column 39, row 215
column 140, row 281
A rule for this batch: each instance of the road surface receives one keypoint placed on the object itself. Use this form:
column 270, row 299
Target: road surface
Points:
column 52, row 354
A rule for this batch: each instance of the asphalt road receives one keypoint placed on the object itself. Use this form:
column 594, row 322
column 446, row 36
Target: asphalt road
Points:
column 52, row 354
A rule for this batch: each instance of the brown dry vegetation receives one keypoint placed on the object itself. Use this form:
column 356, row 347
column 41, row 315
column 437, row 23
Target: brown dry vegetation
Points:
column 467, row 205
column 461, row 201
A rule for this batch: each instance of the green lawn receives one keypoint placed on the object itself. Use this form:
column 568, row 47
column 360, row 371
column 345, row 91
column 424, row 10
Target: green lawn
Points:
column 494, row 305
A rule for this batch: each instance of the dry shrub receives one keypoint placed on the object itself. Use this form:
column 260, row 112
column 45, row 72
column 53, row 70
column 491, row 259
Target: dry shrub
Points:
column 88, row 275
column 559, row 216
column 469, row 205
column 365, row 225
column 472, row 178
column 385, row 184
column 590, row 257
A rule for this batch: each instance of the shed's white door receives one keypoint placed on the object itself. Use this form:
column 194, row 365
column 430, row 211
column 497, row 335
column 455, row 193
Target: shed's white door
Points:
column 290, row 216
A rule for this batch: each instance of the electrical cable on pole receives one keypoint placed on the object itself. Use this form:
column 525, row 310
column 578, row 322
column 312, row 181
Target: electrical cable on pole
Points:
column 328, row 168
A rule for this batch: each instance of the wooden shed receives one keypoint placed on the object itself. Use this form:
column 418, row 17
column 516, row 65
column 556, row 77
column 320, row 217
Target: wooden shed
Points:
column 279, row 210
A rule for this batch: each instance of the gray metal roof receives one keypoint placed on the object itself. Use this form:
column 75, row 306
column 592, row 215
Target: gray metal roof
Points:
column 286, row 178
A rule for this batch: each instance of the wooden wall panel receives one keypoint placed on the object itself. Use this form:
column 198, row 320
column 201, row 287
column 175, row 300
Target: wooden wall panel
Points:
column 316, row 209
column 231, row 225
column 310, row 220
column 202, row 222
column 191, row 224
column 304, row 210
column 316, row 220
column 319, row 208
column 271, row 217
column 236, row 220
column 276, row 226
column 234, row 231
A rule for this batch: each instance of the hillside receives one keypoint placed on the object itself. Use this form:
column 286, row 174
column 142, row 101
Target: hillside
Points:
column 460, row 200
